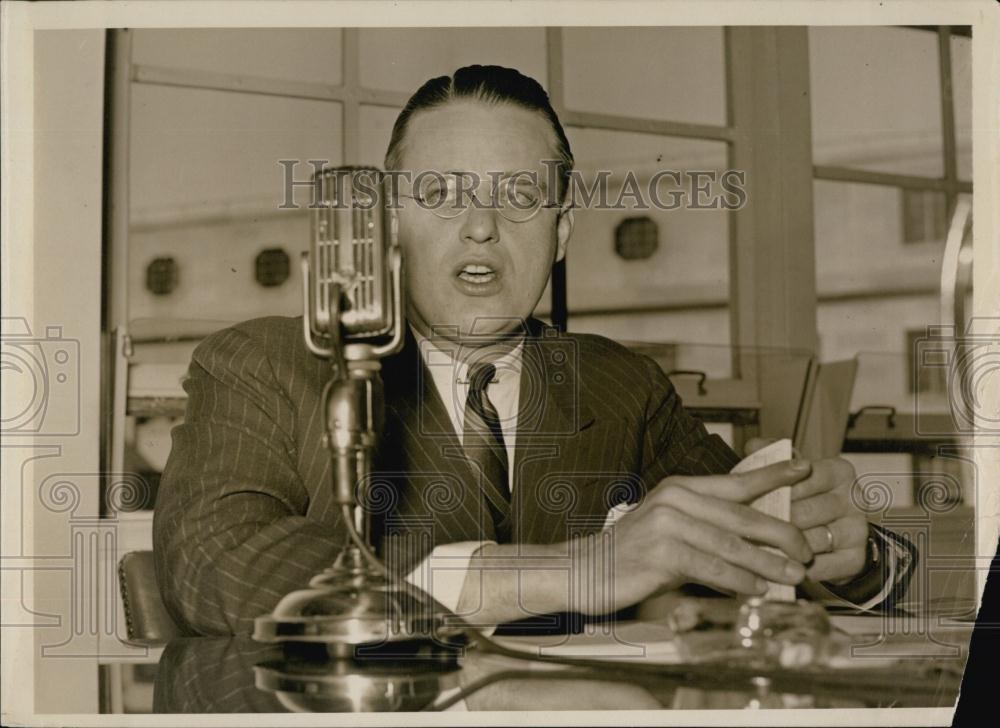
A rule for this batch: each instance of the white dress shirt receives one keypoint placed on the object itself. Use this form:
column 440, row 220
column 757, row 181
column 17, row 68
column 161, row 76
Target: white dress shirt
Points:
column 442, row 573
column 451, row 379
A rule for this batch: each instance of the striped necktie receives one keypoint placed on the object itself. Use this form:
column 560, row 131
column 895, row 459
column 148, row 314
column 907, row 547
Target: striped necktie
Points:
column 484, row 447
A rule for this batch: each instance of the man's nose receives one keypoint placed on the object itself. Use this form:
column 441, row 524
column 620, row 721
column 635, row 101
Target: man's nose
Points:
column 479, row 225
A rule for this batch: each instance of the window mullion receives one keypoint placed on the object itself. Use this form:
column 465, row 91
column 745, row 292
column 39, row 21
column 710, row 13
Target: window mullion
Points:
column 947, row 114
column 554, row 76
column 351, row 110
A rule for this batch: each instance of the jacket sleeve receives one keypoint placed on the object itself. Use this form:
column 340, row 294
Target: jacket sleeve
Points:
column 675, row 442
column 230, row 533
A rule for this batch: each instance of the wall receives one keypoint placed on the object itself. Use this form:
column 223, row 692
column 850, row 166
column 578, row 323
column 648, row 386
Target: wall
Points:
column 68, row 128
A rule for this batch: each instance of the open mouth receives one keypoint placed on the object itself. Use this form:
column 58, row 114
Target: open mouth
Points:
column 477, row 274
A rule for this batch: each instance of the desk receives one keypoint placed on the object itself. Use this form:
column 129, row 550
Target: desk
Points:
column 911, row 668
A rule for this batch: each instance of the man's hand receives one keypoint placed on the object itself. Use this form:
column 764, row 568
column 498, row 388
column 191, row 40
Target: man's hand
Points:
column 703, row 530
column 822, row 502
column 687, row 530
column 837, row 532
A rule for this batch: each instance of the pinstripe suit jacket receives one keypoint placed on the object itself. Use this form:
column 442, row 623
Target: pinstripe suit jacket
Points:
column 245, row 513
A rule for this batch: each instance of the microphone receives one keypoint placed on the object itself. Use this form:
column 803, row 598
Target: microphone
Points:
column 352, row 281
column 353, row 316
column 352, row 299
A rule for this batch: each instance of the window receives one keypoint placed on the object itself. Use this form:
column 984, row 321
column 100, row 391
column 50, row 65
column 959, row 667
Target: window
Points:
column 891, row 151
column 924, row 216
column 922, row 379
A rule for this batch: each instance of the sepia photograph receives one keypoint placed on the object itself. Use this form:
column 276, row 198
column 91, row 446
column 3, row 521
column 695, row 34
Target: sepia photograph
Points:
column 501, row 361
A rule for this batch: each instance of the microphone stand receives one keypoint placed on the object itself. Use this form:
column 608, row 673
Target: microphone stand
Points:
column 354, row 607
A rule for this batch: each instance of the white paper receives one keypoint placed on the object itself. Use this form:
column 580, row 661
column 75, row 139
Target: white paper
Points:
column 617, row 641
column 777, row 503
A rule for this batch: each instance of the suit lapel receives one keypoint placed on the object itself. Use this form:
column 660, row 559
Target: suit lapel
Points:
column 562, row 456
column 434, row 486
column 554, row 458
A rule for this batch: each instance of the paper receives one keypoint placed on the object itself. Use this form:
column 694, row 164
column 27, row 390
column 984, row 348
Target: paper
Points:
column 616, row 641
column 777, row 503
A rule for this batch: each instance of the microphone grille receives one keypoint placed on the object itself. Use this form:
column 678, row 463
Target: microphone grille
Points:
column 353, row 238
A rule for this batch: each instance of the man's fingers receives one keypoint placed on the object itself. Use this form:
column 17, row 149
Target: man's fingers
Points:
column 717, row 573
column 742, row 520
column 847, row 533
column 818, row 509
column 826, row 475
column 748, row 486
column 714, row 541
column 838, row 565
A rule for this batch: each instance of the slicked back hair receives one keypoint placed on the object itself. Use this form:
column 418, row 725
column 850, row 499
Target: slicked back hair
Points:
column 492, row 85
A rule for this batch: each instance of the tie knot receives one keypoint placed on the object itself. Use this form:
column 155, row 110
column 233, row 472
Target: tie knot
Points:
column 480, row 375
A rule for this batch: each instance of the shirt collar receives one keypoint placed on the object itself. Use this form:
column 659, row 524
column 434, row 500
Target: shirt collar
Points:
column 447, row 370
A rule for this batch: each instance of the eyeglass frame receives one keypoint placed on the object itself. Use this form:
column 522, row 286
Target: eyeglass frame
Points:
column 438, row 210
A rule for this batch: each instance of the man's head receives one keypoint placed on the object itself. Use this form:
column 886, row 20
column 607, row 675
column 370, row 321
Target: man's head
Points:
column 478, row 270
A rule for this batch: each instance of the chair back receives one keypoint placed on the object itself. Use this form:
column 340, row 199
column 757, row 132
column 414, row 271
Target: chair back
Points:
column 147, row 621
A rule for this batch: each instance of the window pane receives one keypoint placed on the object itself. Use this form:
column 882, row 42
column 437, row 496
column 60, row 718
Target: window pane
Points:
column 666, row 338
column 709, row 327
column 861, row 256
column 205, row 191
column 376, row 128
column 402, row 59
column 961, row 74
column 294, row 54
column 690, row 264
column 194, row 151
column 922, row 380
column 215, row 281
column 924, row 215
column 877, row 331
column 876, row 99
column 676, row 74
column 871, row 224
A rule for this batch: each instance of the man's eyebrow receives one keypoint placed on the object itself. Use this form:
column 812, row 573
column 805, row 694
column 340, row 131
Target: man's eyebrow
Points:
column 520, row 174
column 528, row 177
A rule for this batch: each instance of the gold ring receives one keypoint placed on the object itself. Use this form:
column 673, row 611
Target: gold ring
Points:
column 829, row 539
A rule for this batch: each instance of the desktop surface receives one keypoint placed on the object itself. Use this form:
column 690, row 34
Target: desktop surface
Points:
column 898, row 660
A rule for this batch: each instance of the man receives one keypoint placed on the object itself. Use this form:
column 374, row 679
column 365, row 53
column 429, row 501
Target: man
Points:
column 505, row 445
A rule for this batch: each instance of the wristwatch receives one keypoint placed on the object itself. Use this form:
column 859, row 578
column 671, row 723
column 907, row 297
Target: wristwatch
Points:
column 870, row 580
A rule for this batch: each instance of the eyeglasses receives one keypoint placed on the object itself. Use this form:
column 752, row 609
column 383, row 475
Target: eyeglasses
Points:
column 517, row 198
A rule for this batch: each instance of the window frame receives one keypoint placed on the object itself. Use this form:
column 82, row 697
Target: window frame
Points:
column 949, row 181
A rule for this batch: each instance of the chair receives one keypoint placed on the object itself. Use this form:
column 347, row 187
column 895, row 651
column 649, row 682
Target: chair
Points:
column 147, row 621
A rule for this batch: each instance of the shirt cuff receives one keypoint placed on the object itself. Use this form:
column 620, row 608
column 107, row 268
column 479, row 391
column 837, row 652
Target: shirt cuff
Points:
column 617, row 513
column 889, row 571
column 442, row 574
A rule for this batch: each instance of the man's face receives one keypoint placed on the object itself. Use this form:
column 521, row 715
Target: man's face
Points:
column 477, row 272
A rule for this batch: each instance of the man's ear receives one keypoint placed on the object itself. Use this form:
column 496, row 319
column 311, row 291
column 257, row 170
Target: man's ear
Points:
column 564, row 228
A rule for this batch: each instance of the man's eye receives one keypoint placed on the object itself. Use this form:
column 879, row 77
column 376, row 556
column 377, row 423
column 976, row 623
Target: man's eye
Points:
column 434, row 195
column 523, row 196
column 528, row 196
column 431, row 196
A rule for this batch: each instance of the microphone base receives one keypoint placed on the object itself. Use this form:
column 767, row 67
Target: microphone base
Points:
column 356, row 613
column 332, row 687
